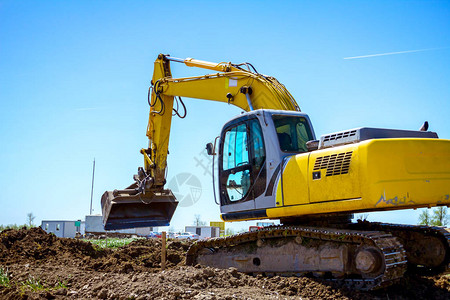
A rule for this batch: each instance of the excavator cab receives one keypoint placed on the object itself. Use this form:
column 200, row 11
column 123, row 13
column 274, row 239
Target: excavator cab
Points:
column 252, row 149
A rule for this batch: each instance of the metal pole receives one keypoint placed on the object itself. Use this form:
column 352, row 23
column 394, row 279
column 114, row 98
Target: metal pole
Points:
column 92, row 188
column 181, row 60
column 249, row 101
column 163, row 251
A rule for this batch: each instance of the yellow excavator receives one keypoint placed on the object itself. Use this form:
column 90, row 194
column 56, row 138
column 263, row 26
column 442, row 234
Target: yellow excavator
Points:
column 271, row 166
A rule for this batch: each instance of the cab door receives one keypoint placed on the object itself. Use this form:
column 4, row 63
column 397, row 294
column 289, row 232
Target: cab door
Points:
column 235, row 168
column 242, row 165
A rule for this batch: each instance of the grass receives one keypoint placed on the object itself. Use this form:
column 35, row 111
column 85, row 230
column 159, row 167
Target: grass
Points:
column 4, row 277
column 33, row 284
column 112, row 243
column 61, row 285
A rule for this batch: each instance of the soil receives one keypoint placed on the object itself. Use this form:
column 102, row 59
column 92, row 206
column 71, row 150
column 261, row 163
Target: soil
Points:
column 42, row 266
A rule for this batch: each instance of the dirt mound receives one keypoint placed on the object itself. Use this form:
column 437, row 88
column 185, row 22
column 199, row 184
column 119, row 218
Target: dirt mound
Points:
column 419, row 287
column 140, row 255
column 42, row 266
column 35, row 244
column 211, row 279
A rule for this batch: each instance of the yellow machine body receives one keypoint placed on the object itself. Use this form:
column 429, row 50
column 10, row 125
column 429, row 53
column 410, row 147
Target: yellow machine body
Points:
column 373, row 175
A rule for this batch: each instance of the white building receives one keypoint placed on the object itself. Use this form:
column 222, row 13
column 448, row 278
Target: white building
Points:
column 63, row 228
column 92, row 225
column 204, row 231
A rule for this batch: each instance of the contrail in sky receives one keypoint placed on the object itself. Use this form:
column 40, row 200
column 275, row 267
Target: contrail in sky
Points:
column 87, row 108
column 393, row 53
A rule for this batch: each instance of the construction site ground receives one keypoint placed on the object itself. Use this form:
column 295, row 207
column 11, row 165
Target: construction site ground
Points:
column 37, row 265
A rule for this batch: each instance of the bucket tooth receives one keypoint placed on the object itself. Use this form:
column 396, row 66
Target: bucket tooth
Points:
column 122, row 209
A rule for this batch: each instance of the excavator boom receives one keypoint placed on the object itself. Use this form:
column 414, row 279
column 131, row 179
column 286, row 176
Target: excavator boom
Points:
column 146, row 202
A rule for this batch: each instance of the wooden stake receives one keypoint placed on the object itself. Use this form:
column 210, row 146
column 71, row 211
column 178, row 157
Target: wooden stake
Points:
column 163, row 251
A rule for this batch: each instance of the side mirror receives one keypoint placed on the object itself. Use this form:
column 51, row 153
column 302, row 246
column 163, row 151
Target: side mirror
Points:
column 312, row 145
column 210, row 149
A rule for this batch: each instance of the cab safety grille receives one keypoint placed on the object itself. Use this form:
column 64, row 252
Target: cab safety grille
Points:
column 335, row 164
column 339, row 135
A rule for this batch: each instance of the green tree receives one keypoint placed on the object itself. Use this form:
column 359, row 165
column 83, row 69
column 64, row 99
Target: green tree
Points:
column 362, row 217
column 425, row 218
column 440, row 217
column 229, row 231
column 30, row 219
column 11, row 226
column 198, row 221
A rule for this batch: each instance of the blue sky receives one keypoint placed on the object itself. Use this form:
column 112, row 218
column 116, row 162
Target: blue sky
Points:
column 74, row 77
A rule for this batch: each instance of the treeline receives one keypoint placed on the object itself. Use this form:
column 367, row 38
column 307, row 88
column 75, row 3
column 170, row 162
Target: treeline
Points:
column 28, row 224
column 438, row 217
column 15, row 226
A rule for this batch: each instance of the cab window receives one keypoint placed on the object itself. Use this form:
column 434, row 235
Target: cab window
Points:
column 293, row 132
column 235, row 147
column 243, row 175
column 257, row 143
column 235, row 157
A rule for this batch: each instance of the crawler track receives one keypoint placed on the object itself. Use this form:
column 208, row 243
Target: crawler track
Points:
column 269, row 243
column 427, row 248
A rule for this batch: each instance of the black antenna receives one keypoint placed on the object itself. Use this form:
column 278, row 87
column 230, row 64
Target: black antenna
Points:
column 92, row 188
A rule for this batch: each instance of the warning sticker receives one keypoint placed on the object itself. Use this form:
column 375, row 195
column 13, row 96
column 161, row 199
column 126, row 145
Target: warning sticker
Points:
column 232, row 82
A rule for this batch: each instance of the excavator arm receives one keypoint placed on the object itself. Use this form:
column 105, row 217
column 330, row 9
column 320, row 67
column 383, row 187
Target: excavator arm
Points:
column 146, row 202
column 233, row 85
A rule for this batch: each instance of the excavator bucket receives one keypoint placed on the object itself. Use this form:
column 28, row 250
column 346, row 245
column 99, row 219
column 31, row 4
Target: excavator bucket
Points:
column 122, row 209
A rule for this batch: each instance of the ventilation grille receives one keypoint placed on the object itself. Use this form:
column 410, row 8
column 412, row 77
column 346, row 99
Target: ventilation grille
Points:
column 335, row 164
column 339, row 135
